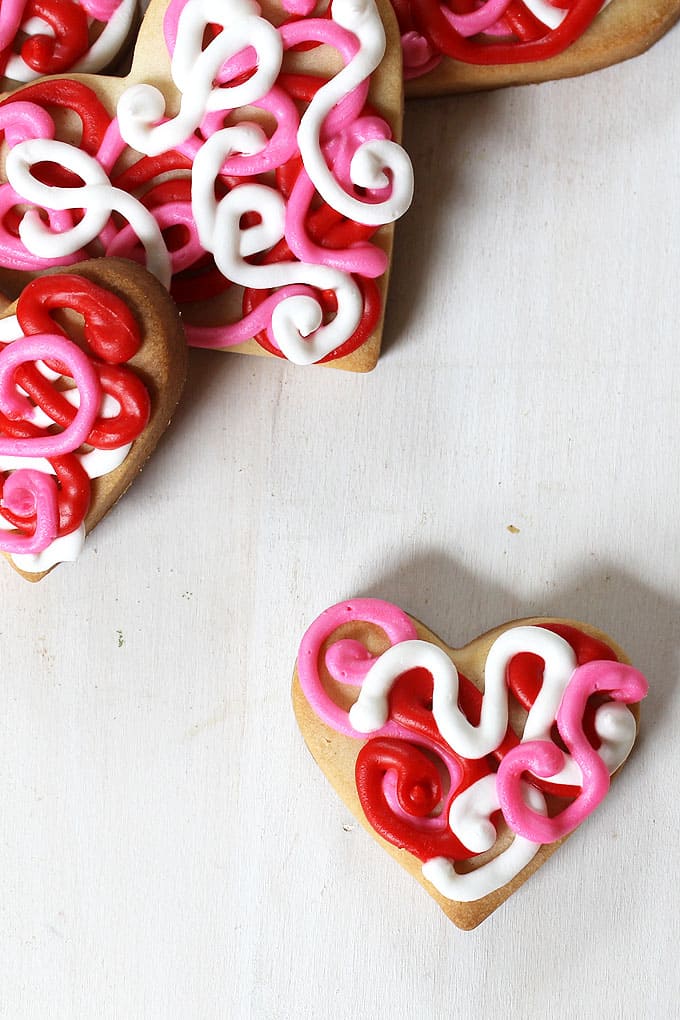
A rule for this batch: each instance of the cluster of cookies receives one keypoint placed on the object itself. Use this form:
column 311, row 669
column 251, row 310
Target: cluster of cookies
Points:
column 237, row 190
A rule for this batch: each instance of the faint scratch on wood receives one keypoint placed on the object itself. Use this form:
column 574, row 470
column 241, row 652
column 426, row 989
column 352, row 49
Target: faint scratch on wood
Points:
column 218, row 716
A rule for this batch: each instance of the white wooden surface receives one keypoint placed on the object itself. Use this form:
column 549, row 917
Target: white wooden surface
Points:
column 168, row 849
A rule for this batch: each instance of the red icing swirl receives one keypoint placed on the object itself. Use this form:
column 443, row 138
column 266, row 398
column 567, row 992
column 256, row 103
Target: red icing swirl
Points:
column 111, row 337
column 325, row 236
column 517, row 37
column 50, row 54
column 402, row 782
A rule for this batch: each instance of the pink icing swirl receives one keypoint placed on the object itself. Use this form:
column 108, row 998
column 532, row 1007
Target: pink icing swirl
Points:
column 347, row 661
column 73, row 362
column 11, row 14
column 542, row 758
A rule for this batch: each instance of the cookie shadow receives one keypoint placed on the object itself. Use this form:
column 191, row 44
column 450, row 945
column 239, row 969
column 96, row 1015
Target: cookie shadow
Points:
column 458, row 604
column 206, row 377
column 207, row 374
column 438, row 136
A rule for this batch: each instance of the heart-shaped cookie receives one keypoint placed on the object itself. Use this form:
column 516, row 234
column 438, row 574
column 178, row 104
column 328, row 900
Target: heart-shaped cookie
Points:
column 469, row 765
column 39, row 37
column 463, row 47
column 249, row 160
column 92, row 364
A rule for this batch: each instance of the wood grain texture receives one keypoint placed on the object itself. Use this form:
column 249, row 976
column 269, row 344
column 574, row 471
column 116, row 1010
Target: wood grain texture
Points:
column 169, row 848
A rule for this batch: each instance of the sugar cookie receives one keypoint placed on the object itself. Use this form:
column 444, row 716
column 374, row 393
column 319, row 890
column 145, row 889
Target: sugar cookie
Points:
column 92, row 364
column 470, row 765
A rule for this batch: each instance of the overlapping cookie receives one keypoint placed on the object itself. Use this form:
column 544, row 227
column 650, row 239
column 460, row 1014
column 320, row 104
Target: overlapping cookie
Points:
column 40, row 37
column 92, row 364
column 470, row 765
column 468, row 45
column 250, row 160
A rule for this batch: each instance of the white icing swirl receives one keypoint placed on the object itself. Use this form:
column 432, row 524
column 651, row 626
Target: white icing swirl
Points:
column 100, row 54
column 194, row 70
column 97, row 198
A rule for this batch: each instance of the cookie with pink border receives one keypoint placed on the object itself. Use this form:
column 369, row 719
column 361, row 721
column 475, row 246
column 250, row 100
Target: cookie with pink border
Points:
column 470, row 765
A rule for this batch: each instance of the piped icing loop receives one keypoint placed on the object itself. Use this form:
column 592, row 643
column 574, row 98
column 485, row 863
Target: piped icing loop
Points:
column 466, row 887
column 66, row 41
column 377, row 163
column 111, row 330
column 442, row 763
column 541, row 757
column 65, row 96
column 30, row 493
column 404, row 786
column 280, row 214
column 66, row 417
column 194, row 70
column 348, row 661
column 431, row 770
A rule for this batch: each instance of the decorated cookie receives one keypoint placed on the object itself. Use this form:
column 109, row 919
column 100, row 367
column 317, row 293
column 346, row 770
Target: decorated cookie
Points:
column 39, row 37
column 469, row 765
column 250, row 161
column 464, row 46
column 92, row 364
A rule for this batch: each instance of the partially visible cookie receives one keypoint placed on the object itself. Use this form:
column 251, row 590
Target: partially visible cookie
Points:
column 92, row 365
column 463, row 47
column 471, row 765
column 250, row 160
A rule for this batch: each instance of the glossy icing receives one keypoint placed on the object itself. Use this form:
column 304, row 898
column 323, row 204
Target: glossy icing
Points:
column 492, row 32
column 98, row 404
column 40, row 37
column 280, row 211
column 440, row 762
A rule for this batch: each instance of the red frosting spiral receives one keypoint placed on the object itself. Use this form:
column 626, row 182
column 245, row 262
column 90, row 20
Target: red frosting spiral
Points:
column 111, row 336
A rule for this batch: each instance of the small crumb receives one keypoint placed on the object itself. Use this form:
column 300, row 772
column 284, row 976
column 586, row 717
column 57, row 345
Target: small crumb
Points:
column 121, row 639
column 513, row 529
column 348, row 828
column 187, row 594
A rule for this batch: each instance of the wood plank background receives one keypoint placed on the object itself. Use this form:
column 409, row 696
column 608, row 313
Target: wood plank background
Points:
column 167, row 847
